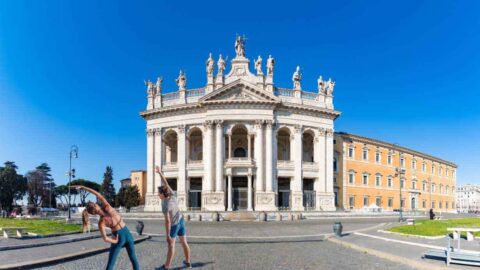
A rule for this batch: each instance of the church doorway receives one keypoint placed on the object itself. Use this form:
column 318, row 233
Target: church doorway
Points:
column 240, row 193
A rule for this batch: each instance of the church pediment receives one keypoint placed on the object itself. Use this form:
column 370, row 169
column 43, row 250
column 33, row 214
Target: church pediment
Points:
column 239, row 91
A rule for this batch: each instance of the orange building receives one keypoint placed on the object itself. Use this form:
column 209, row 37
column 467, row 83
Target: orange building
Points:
column 139, row 178
column 368, row 173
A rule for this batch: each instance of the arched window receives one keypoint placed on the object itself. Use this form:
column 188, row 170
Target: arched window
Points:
column 283, row 144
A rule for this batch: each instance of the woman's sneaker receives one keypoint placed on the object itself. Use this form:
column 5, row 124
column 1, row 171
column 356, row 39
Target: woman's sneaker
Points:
column 187, row 264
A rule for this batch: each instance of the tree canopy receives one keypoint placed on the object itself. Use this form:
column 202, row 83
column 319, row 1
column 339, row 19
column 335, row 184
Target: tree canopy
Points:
column 12, row 185
column 82, row 193
column 107, row 189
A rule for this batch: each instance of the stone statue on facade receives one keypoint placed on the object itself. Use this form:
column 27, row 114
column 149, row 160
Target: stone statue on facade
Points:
column 150, row 87
column 258, row 65
column 221, row 65
column 210, row 65
column 182, row 81
column 240, row 46
column 270, row 64
column 158, row 85
column 329, row 87
column 296, row 78
column 321, row 85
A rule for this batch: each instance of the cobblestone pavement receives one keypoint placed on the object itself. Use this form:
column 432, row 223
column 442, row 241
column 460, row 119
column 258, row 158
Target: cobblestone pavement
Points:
column 313, row 253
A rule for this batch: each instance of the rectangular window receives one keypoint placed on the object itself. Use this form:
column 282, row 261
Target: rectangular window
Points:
column 424, row 167
column 433, row 169
column 414, row 164
column 424, row 186
column 350, row 152
column 402, row 203
column 390, row 181
column 335, row 179
column 390, row 202
column 402, row 162
column 440, row 204
column 378, row 201
column 365, row 201
column 402, row 183
column 433, row 204
column 414, row 185
column 432, row 188
column 424, row 204
column 377, row 157
column 365, row 179
column 446, row 205
column 389, row 159
column 378, row 180
column 351, row 178
column 351, row 201
column 365, row 154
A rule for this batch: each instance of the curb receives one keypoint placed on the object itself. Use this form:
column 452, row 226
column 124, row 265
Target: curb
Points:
column 387, row 256
column 413, row 235
column 41, row 244
column 66, row 257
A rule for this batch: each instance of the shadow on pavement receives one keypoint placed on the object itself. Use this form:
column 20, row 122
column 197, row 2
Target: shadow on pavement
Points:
column 242, row 241
column 194, row 265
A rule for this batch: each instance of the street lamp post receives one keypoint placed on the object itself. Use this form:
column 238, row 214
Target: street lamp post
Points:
column 71, row 173
column 400, row 172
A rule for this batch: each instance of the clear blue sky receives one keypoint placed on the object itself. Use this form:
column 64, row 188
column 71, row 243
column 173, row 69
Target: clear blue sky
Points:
column 72, row 72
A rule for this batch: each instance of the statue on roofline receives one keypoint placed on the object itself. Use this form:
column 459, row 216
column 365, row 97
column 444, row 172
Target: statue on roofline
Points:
column 330, row 86
column 210, row 65
column 258, row 65
column 150, row 87
column 297, row 76
column 221, row 65
column 270, row 64
column 240, row 46
column 182, row 81
column 321, row 85
column 158, row 85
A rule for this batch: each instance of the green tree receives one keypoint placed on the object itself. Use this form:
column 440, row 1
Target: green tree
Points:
column 12, row 185
column 120, row 198
column 61, row 192
column 107, row 189
column 36, row 187
column 132, row 197
column 82, row 193
column 49, row 196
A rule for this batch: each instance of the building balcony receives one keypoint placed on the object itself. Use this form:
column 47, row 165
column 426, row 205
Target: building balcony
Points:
column 310, row 166
column 285, row 164
column 170, row 166
column 239, row 162
column 195, row 165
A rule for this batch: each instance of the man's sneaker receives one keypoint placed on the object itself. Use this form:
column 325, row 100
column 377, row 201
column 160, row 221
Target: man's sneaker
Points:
column 187, row 264
column 164, row 267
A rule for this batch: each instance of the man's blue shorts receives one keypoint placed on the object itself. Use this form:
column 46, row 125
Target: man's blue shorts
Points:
column 178, row 229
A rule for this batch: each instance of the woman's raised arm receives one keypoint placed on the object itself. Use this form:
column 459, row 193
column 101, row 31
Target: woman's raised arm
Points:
column 94, row 192
column 164, row 180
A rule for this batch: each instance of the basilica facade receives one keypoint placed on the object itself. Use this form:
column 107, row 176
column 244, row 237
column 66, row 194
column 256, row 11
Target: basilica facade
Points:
column 240, row 142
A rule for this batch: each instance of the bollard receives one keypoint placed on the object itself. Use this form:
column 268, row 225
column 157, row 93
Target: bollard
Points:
column 337, row 229
column 140, row 227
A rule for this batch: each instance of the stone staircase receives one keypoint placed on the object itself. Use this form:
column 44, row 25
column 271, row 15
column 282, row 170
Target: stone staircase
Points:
column 239, row 216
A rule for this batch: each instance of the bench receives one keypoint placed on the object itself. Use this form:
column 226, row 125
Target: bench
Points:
column 13, row 231
column 452, row 256
column 457, row 231
column 410, row 221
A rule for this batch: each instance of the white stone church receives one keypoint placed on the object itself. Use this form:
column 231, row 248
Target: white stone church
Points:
column 240, row 142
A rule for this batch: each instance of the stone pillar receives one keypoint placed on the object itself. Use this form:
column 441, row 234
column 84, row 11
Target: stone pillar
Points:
column 158, row 159
column 249, row 138
column 259, row 155
column 229, row 193
column 269, row 158
column 229, row 146
column 264, row 195
column 249, row 207
column 296, row 185
column 207, row 157
column 320, row 183
column 182, row 170
column 152, row 202
column 325, row 195
column 219, row 156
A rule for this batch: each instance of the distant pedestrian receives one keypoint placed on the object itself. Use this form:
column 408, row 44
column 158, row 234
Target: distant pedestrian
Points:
column 85, row 221
column 174, row 222
column 432, row 215
column 121, row 235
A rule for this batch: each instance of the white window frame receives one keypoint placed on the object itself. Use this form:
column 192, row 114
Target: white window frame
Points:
column 352, row 175
column 351, row 147
column 365, row 151
column 424, row 167
column 378, row 180
column 389, row 159
column 390, row 181
column 364, row 176
column 378, row 157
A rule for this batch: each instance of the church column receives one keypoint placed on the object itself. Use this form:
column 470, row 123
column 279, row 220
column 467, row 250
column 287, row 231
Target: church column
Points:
column 259, row 155
column 229, row 146
column 329, row 161
column 157, row 158
column 320, row 184
column 182, row 170
column 219, row 156
column 249, row 138
column 208, row 157
column 296, row 186
column 269, row 157
column 150, row 162
column 229, row 193
column 250, row 208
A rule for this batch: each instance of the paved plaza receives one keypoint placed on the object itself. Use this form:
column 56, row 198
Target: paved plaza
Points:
column 306, row 244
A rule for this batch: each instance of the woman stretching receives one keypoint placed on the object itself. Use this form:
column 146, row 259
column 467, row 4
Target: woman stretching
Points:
column 174, row 222
column 111, row 219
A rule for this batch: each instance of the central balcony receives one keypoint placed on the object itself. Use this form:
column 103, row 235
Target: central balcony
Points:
column 239, row 162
